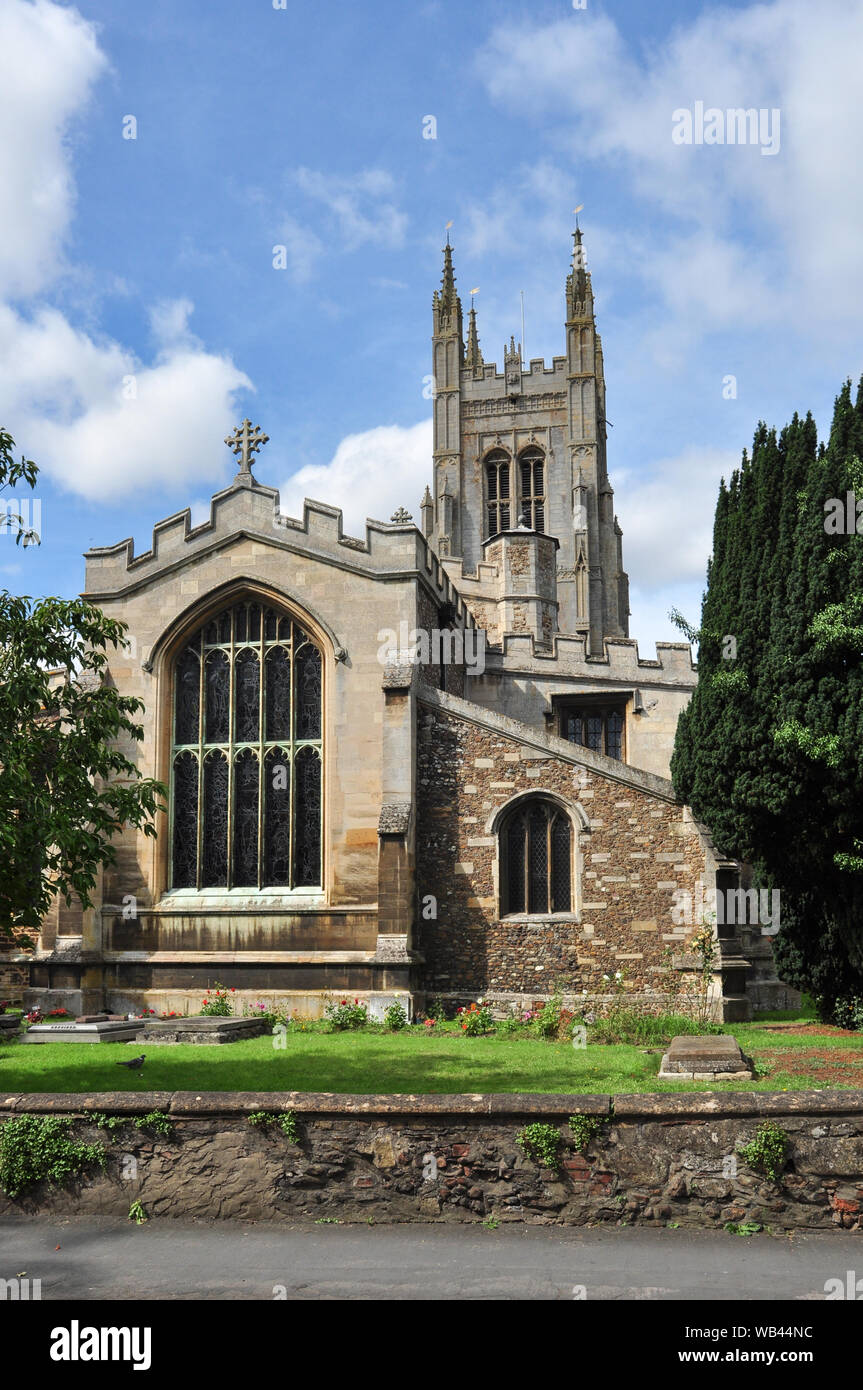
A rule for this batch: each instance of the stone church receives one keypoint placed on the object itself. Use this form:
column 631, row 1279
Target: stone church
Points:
column 426, row 761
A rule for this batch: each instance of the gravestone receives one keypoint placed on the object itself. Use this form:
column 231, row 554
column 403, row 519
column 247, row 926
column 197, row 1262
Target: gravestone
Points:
column 716, row 1058
column 108, row 1031
column 9, row 1023
column 202, row 1030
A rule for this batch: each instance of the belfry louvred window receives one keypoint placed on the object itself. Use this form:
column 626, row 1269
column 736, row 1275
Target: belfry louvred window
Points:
column 497, row 491
column 536, row 859
column 246, row 778
column 531, row 502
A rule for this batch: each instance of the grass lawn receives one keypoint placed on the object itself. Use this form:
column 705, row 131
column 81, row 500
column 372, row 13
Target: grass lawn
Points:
column 418, row 1062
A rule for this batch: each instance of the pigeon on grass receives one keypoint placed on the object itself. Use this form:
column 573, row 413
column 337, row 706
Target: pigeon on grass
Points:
column 134, row 1063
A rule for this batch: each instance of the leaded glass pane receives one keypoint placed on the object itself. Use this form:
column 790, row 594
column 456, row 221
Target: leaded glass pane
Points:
column 216, row 697
column 245, row 867
column 277, row 819
column 307, row 823
column 187, row 697
column 614, row 736
column 278, row 719
column 538, row 517
column 215, row 847
column 515, row 865
column 593, row 724
column 185, row 820
column 272, row 829
column 538, row 860
column 561, row 890
column 247, row 696
column 307, row 688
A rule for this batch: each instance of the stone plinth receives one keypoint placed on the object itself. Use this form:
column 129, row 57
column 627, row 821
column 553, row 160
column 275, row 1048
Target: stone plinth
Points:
column 9, row 1023
column 203, row 1030
column 705, row 1059
column 126, row 1030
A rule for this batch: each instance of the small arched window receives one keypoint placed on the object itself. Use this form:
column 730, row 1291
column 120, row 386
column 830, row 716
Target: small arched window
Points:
column 536, row 859
column 497, row 491
column 531, row 501
column 246, row 765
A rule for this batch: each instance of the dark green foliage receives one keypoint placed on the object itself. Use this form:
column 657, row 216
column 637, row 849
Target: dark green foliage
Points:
column 768, row 1152
column 541, row 1143
column 66, row 785
column 37, row 1148
column 770, row 751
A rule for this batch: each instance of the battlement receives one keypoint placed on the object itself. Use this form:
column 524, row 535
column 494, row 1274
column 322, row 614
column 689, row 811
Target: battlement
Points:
column 390, row 549
column 567, row 656
column 535, row 368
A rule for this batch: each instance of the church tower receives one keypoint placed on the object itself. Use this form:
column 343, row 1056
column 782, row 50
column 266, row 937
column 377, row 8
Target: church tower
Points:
column 522, row 452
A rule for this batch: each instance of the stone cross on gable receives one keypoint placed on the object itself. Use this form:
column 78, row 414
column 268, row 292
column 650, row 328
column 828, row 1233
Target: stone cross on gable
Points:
column 246, row 440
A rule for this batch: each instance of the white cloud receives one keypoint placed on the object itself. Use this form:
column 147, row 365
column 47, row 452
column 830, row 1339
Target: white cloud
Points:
column 370, row 475
column 667, row 517
column 102, row 423
column 51, row 60
column 606, row 103
column 362, row 207
column 97, row 419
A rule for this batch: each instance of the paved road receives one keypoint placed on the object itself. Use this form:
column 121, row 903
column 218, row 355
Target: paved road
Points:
column 162, row 1260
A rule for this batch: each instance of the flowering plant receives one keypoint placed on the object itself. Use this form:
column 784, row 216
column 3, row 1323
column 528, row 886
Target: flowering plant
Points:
column 217, row 1002
column 344, row 1015
column 429, row 1022
column 475, row 1019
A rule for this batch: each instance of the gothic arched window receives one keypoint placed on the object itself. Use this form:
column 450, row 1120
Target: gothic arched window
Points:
column 531, row 499
column 536, row 859
column 497, row 491
column 246, row 799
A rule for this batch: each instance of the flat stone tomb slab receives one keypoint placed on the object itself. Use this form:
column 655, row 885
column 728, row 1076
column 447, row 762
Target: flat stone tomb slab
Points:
column 202, row 1030
column 124, row 1031
column 709, row 1058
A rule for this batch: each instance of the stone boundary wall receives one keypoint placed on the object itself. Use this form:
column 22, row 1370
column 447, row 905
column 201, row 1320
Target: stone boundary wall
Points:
column 658, row 1158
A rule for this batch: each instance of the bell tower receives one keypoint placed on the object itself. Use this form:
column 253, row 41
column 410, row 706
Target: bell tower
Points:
column 523, row 451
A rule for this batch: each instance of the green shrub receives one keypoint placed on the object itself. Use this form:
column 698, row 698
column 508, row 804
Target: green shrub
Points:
column 217, row 1002
column 395, row 1016
column 38, row 1148
column 156, row 1121
column 286, row 1121
column 768, row 1151
column 345, row 1016
column 475, row 1020
column 110, row 1122
column 584, row 1130
column 542, row 1143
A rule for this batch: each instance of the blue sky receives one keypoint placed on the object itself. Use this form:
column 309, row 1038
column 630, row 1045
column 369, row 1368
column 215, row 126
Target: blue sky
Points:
column 141, row 315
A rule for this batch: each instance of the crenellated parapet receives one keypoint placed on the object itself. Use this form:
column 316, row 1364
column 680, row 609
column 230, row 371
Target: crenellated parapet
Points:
column 389, row 550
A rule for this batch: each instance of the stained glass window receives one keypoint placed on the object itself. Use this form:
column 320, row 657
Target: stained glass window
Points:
column 536, row 859
column 246, row 787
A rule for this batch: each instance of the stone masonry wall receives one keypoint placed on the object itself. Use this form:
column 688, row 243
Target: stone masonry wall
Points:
column 639, row 849
column 656, row 1159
